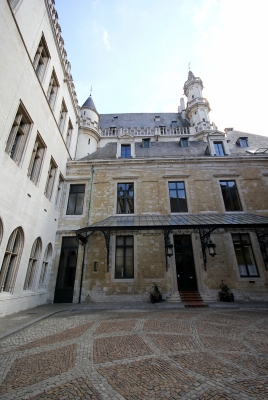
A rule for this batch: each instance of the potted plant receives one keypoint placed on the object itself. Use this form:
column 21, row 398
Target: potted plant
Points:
column 225, row 294
column 156, row 296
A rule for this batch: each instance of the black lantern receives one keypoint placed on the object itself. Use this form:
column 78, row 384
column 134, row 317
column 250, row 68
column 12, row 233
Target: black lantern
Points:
column 211, row 248
column 169, row 249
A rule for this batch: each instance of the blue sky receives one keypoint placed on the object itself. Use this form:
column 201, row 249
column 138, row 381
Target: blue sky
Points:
column 135, row 54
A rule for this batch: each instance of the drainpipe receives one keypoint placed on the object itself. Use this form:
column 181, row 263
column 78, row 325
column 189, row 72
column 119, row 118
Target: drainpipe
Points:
column 85, row 243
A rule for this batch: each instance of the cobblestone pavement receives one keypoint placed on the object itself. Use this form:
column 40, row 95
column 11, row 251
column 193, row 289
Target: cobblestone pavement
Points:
column 138, row 355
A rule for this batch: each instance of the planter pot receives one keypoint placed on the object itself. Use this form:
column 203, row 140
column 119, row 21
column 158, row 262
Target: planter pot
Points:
column 156, row 298
column 226, row 296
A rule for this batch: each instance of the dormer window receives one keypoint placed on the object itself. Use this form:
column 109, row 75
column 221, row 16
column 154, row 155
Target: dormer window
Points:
column 125, row 151
column 184, row 142
column 219, row 151
column 242, row 142
column 157, row 118
column 146, row 143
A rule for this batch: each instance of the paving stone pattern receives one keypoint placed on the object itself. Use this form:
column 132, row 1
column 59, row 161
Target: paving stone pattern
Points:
column 156, row 354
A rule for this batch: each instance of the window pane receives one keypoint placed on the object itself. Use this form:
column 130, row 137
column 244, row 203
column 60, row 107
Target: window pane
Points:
column 244, row 255
column 71, row 204
column 172, row 185
column 230, row 196
column 79, row 204
column 120, row 241
column 124, row 262
column 219, row 149
column 183, row 205
column 125, row 151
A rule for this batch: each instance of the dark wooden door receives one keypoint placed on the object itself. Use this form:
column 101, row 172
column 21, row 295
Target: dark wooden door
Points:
column 185, row 267
column 66, row 272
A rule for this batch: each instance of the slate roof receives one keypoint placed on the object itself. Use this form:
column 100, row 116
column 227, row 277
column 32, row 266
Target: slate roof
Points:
column 255, row 142
column 89, row 103
column 157, row 149
column 142, row 120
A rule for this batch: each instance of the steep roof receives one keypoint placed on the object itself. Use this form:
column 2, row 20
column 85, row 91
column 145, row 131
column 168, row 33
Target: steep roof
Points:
column 89, row 103
column 255, row 142
column 142, row 120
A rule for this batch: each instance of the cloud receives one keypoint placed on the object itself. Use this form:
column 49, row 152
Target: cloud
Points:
column 105, row 38
column 95, row 3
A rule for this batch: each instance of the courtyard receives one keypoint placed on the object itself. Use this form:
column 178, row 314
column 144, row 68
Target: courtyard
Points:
column 138, row 354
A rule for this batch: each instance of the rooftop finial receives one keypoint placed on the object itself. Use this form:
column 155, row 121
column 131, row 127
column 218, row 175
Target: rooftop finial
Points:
column 90, row 91
column 189, row 63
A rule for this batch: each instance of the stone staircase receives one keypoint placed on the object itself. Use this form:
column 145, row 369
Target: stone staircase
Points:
column 174, row 298
column 192, row 298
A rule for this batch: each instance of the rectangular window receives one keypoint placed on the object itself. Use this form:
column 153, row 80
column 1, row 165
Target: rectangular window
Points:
column 243, row 142
column 50, row 178
column 244, row 255
column 76, row 200
column 41, row 58
column 184, row 143
column 124, row 257
column 69, row 134
column 145, row 143
column 18, row 135
column 63, row 116
column 177, row 195
column 230, row 196
column 125, row 198
column 36, row 159
column 59, row 190
column 218, row 146
column 53, row 89
column 125, row 151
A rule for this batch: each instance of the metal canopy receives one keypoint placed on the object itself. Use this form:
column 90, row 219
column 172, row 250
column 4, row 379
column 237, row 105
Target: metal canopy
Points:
column 204, row 224
column 184, row 221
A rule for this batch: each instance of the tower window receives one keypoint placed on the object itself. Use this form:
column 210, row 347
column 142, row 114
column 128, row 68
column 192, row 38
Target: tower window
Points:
column 192, row 96
column 204, row 120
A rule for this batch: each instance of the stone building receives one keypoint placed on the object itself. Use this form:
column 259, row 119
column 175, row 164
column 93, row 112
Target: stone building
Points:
column 101, row 206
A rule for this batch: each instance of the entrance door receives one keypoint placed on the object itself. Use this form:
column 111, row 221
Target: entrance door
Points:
column 66, row 273
column 185, row 263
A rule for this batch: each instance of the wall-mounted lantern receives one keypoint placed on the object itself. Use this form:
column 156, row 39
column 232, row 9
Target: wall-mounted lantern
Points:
column 211, row 248
column 169, row 249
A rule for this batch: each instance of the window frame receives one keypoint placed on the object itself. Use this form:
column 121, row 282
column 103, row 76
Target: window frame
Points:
column 76, row 197
column 37, row 159
column 118, row 190
column 183, row 141
column 45, row 57
column 216, row 148
column 52, row 171
column 243, row 245
column 177, row 197
column 124, row 247
column 19, row 134
column 146, row 143
column 33, row 265
column 126, row 155
column 229, row 191
column 11, row 260
column 53, row 89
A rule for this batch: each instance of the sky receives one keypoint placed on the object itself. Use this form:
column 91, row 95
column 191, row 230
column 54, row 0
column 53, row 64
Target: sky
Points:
column 135, row 55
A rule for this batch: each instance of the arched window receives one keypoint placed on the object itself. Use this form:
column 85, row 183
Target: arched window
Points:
column 45, row 266
column 11, row 261
column 33, row 265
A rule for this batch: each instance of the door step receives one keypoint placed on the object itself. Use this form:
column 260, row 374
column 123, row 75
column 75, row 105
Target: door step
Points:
column 192, row 298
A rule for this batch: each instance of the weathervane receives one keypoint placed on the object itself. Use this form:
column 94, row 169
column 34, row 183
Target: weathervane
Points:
column 90, row 90
column 189, row 65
